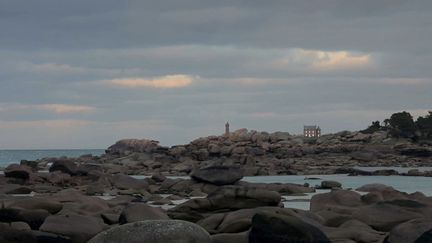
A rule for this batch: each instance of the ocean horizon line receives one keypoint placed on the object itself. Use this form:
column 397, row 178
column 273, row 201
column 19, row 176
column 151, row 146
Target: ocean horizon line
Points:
column 45, row 149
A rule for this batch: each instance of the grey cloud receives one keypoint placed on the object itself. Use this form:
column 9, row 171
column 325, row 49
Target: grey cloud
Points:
column 248, row 55
column 332, row 24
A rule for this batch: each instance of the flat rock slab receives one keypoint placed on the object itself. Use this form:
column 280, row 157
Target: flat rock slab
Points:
column 218, row 175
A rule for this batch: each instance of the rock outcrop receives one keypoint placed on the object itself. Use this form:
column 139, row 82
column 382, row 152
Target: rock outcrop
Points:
column 127, row 146
column 257, row 154
column 96, row 196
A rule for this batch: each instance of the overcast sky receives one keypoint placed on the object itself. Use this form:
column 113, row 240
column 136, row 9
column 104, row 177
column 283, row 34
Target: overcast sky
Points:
column 85, row 73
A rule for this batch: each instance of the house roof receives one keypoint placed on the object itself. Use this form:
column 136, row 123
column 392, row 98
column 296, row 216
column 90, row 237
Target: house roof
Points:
column 311, row 127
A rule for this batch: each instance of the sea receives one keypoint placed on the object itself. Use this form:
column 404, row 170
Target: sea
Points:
column 408, row 184
column 15, row 156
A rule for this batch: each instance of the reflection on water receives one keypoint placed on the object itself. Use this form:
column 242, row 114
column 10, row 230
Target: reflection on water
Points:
column 398, row 169
column 407, row 184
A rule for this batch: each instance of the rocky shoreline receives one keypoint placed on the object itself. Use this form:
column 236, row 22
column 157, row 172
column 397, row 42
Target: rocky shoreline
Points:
column 214, row 205
column 261, row 154
column 93, row 199
column 279, row 153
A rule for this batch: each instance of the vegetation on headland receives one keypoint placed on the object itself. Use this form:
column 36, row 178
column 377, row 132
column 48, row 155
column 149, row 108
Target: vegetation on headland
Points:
column 403, row 125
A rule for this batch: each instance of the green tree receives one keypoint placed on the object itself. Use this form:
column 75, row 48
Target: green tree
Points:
column 402, row 125
column 374, row 127
column 424, row 124
column 387, row 123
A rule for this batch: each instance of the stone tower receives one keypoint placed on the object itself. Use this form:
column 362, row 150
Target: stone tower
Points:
column 227, row 129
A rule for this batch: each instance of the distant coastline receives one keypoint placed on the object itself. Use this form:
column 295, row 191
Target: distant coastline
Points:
column 9, row 156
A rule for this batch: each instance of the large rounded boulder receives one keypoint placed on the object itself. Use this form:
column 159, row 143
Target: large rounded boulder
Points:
column 236, row 197
column 10, row 234
column 234, row 237
column 335, row 199
column 412, row 231
column 375, row 187
column 79, row 228
column 384, row 216
column 154, row 231
column 125, row 182
column 218, row 175
column 65, row 166
column 330, row 185
column 239, row 220
column 14, row 189
column 270, row 227
column 134, row 212
column 18, row 171
column 34, row 203
column 227, row 198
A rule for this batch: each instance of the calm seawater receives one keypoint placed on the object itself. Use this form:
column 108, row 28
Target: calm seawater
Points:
column 407, row 184
column 15, row 156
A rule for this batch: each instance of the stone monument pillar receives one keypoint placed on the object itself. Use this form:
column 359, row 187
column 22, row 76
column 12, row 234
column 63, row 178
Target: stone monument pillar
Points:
column 227, row 129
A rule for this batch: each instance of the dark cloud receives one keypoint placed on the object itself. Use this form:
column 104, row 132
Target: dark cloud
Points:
column 267, row 65
column 332, row 24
